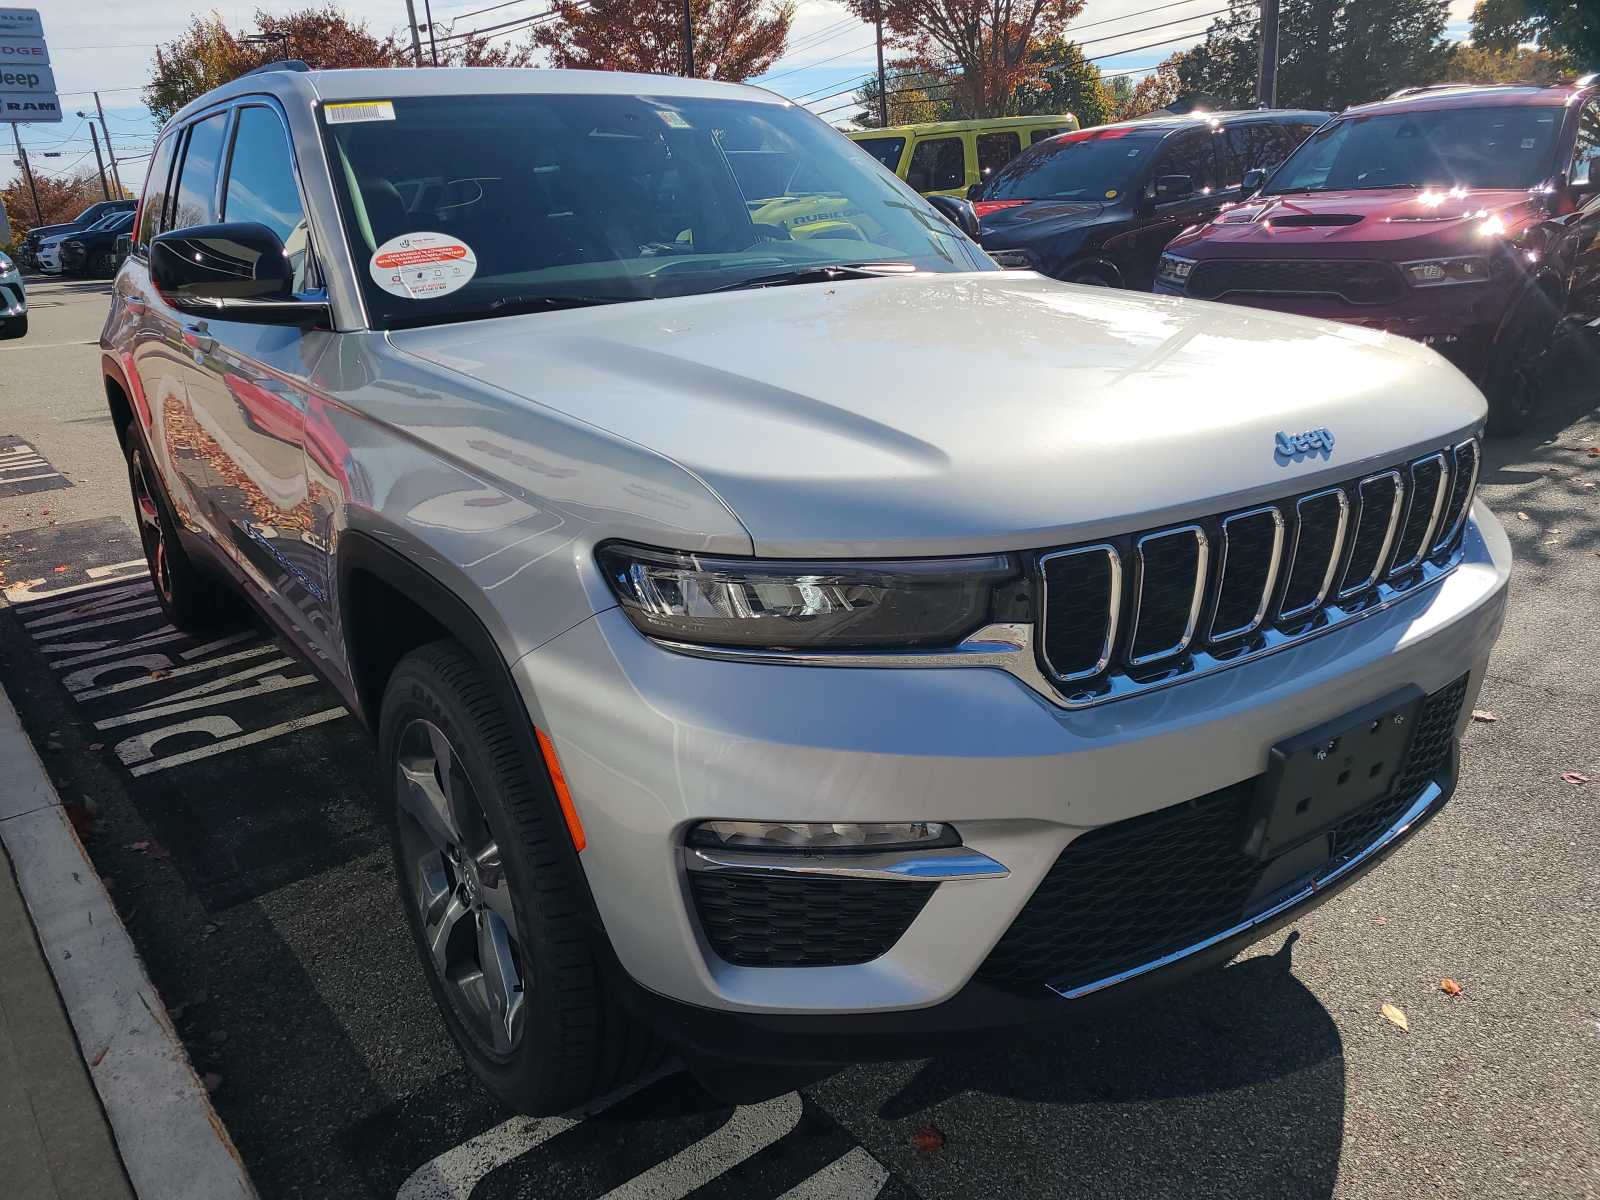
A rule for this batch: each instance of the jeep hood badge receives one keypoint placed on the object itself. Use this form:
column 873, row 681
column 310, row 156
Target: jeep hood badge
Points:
column 1294, row 447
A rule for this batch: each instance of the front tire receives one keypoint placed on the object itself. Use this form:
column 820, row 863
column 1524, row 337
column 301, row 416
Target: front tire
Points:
column 491, row 895
column 1516, row 381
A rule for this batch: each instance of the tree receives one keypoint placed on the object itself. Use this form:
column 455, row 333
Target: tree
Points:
column 1521, row 64
column 1566, row 27
column 733, row 39
column 208, row 53
column 1067, row 83
column 1155, row 91
column 993, row 44
column 911, row 99
column 59, row 199
column 1332, row 53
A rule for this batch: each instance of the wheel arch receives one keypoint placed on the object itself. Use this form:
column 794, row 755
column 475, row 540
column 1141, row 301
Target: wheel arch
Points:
column 1096, row 264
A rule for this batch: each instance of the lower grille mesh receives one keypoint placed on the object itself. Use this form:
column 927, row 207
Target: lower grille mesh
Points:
column 760, row 920
column 1131, row 891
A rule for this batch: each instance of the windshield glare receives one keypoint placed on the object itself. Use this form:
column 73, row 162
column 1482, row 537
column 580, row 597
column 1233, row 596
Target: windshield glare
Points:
column 1502, row 146
column 466, row 206
column 1097, row 164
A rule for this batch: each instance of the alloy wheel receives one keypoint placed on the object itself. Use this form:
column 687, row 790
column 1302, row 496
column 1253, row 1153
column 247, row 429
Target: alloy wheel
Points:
column 455, row 876
column 152, row 534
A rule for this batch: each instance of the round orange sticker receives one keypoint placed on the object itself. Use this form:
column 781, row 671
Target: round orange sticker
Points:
column 423, row 266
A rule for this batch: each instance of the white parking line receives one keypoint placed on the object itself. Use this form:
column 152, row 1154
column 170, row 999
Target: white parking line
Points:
column 853, row 1176
column 751, row 1129
column 272, row 683
column 176, row 672
column 235, row 743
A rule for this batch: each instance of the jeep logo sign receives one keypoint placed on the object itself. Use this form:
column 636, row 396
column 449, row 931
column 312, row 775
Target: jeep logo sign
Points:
column 26, row 79
column 1293, row 447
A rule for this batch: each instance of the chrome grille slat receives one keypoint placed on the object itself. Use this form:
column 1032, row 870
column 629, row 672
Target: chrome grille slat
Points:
column 1413, row 531
column 1113, row 561
column 1463, row 483
column 1335, row 550
column 1392, row 524
column 1270, row 581
column 1141, row 608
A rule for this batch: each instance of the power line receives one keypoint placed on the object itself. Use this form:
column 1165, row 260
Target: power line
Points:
column 820, row 62
column 1111, row 37
column 1172, row 41
column 1142, row 12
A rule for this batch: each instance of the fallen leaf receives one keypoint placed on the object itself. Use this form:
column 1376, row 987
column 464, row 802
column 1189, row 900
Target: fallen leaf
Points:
column 59, row 570
column 1575, row 778
column 1395, row 1017
column 141, row 847
column 97, row 745
column 158, row 674
column 929, row 1137
column 1594, row 451
column 1483, row 714
column 212, row 1081
column 99, row 1058
column 1449, row 987
column 1522, row 516
column 157, row 850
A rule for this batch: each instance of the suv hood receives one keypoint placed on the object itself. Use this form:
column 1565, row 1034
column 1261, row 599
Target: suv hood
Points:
column 1371, row 221
column 937, row 413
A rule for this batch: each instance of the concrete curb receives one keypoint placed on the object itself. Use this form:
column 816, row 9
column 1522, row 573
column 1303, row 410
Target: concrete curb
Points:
column 173, row 1145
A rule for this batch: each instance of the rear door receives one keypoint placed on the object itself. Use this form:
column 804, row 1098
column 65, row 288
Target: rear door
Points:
column 938, row 165
column 251, row 393
column 1585, row 172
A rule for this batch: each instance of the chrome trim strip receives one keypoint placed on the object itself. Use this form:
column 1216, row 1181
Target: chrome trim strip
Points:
column 1114, row 612
column 1334, row 555
column 1395, row 507
column 1439, row 494
column 1009, row 648
column 1472, row 488
column 947, row 864
column 1272, row 570
column 1425, row 800
column 1196, row 599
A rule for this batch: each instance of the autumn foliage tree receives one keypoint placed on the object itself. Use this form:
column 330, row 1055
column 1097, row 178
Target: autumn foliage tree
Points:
column 992, row 45
column 59, row 200
column 733, row 39
column 208, row 53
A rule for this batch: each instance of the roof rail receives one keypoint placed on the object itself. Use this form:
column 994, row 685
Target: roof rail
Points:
column 283, row 64
column 1431, row 87
column 1586, row 80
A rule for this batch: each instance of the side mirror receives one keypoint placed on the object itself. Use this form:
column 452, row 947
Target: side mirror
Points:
column 1253, row 179
column 975, row 191
column 1172, row 187
column 959, row 213
column 1582, row 181
column 239, row 271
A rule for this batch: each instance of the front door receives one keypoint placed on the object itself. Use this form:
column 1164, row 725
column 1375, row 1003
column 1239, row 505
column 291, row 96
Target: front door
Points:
column 1190, row 154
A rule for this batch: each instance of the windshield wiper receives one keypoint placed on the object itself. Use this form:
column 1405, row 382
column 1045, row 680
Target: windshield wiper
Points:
column 830, row 274
column 508, row 305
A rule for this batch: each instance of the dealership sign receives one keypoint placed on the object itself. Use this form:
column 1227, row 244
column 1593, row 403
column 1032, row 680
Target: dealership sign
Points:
column 27, row 85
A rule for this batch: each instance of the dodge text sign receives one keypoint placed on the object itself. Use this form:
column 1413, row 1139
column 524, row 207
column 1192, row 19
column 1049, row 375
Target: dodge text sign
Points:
column 30, row 51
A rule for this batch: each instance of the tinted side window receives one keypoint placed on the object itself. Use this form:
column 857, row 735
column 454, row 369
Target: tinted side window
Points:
column 1586, row 153
column 886, row 150
column 261, row 184
column 155, row 192
column 1039, row 135
column 995, row 150
column 197, row 180
column 1263, row 145
column 1187, row 153
column 938, row 165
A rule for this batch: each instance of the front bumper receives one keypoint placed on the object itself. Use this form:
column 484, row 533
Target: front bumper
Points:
column 653, row 741
column 13, row 299
column 48, row 261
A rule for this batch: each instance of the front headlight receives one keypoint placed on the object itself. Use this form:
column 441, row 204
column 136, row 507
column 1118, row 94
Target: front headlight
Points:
column 1444, row 272
column 1174, row 269
column 784, row 605
column 8, row 269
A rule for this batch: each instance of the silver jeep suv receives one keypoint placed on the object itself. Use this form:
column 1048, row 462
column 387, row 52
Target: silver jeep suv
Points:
column 787, row 638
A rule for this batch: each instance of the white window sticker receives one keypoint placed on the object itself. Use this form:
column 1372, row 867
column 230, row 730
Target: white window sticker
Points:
column 423, row 266
column 673, row 118
column 360, row 110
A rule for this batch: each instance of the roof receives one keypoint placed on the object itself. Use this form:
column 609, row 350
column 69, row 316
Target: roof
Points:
column 962, row 126
column 1459, row 95
column 387, row 83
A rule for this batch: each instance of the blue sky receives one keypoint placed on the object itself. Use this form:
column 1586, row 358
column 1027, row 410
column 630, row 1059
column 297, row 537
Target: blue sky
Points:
column 829, row 52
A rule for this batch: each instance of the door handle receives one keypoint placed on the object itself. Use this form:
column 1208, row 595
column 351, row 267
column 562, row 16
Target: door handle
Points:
column 197, row 334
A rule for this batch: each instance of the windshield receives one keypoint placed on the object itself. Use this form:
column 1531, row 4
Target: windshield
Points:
column 1502, row 146
column 1092, row 165
column 475, row 206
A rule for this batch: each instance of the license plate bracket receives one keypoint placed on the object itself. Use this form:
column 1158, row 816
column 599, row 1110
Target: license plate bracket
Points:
column 1317, row 778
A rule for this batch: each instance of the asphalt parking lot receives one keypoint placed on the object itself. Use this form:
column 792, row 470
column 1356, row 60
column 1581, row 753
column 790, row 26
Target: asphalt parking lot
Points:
column 225, row 796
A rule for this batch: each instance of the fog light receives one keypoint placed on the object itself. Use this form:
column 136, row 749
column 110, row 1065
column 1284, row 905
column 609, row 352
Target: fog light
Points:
column 824, row 837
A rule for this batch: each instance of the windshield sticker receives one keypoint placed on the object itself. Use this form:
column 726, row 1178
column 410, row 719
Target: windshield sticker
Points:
column 673, row 119
column 360, row 110
column 1111, row 193
column 423, row 266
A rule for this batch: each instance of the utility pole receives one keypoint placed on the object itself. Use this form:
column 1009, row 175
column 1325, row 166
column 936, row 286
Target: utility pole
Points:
column 688, row 39
column 433, row 46
column 27, row 171
column 99, row 162
column 883, row 86
column 116, row 176
column 1267, row 76
column 411, row 24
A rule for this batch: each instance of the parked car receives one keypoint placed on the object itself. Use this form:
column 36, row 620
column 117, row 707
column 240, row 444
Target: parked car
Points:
column 13, row 301
column 47, row 251
column 947, row 158
column 1465, row 217
column 1099, row 205
column 28, row 249
column 773, row 670
column 94, row 251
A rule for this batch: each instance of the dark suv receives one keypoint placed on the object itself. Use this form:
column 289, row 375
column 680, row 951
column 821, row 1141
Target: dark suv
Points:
column 1097, row 206
column 1465, row 217
column 27, row 250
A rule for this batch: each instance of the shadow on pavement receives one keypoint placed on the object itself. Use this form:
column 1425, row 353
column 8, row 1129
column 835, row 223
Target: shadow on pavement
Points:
column 1234, row 1086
